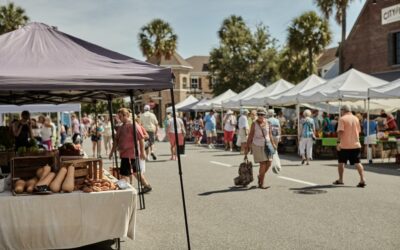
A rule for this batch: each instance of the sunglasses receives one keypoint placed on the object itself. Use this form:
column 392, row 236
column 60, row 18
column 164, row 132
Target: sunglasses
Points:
column 260, row 114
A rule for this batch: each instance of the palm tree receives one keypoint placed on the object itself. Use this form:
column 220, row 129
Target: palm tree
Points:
column 157, row 39
column 11, row 17
column 310, row 33
column 327, row 7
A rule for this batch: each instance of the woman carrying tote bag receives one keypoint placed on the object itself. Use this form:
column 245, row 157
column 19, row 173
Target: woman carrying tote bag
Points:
column 261, row 144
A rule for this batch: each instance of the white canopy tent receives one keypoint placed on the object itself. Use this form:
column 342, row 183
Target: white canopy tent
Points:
column 390, row 90
column 188, row 101
column 236, row 101
column 290, row 97
column 351, row 86
column 214, row 103
column 259, row 99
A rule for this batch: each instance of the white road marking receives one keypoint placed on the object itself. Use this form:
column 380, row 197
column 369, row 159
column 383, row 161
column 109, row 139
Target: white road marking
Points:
column 221, row 164
column 299, row 181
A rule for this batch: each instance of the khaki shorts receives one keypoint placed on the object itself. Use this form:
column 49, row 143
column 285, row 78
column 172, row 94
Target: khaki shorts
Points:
column 259, row 154
column 242, row 135
column 211, row 133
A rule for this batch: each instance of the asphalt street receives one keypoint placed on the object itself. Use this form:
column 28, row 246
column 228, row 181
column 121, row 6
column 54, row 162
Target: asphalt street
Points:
column 221, row 216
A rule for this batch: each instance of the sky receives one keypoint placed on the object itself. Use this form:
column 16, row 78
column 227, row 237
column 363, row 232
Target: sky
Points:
column 115, row 24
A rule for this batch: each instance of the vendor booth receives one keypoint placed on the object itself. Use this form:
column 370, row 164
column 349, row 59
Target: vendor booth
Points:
column 40, row 64
column 186, row 104
column 235, row 102
column 259, row 99
column 214, row 103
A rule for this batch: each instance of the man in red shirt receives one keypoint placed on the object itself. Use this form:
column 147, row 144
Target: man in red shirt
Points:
column 349, row 147
column 124, row 141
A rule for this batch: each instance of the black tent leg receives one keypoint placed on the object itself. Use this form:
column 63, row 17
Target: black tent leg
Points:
column 180, row 167
column 112, row 132
column 137, row 157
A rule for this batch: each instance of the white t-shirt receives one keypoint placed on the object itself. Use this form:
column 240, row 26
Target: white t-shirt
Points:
column 243, row 122
column 230, row 123
column 47, row 132
column 149, row 121
column 180, row 127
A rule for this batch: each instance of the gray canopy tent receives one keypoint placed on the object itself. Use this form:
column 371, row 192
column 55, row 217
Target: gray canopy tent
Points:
column 39, row 64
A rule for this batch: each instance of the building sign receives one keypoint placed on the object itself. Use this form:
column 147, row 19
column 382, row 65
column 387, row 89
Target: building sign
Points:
column 391, row 14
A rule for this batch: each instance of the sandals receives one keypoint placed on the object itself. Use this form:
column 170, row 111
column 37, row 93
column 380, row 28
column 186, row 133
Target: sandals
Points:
column 337, row 182
column 361, row 184
column 261, row 185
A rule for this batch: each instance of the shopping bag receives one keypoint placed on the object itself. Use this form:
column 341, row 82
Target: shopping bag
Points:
column 276, row 163
column 142, row 166
column 245, row 173
column 161, row 135
column 238, row 141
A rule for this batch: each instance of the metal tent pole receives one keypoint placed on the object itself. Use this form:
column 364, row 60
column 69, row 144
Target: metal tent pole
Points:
column 180, row 167
column 109, row 99
column 137, row 165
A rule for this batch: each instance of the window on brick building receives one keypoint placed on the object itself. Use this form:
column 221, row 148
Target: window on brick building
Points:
column 194, row 83
column 184, row 82
column 394, row 48
column 199, row 85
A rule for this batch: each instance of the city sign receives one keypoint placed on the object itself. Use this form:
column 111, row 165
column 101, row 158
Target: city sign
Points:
column 391, row 14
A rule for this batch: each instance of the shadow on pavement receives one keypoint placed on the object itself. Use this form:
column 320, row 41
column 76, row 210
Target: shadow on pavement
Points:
column 321, row 187
column 157, row 161
column 230, row 189
column 231, row 154
column 378, row 168
column 104, row 245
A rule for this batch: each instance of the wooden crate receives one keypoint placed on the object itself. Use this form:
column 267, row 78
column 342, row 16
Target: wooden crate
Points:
column 25, row 167
column 85, row 168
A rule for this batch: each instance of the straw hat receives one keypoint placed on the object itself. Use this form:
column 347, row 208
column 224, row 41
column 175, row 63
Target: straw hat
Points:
column 261, row 111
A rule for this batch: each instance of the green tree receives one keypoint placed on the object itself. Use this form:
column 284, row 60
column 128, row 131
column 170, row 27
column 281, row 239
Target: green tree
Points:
column 242, row 57
column 310, row 33
column 157, row 39
column 327, row 7
column 11, row 17
column 293, row 66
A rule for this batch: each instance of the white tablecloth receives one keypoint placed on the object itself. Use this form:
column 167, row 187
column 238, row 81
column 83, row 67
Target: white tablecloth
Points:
column 66, row 220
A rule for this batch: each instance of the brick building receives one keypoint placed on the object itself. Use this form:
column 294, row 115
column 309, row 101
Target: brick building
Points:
column 191, row 78
column 373, row 45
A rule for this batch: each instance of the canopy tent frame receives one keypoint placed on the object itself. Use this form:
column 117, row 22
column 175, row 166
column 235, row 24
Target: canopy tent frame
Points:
column 22, row 84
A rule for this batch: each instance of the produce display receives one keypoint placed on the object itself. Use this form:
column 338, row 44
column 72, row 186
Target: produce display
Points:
column 97, row 185
column 31, row 149
column 45, row 182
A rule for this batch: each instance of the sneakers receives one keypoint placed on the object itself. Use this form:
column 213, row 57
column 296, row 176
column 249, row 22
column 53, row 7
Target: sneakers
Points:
column 210, row 146
column 154, row 156
column 146, row 189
